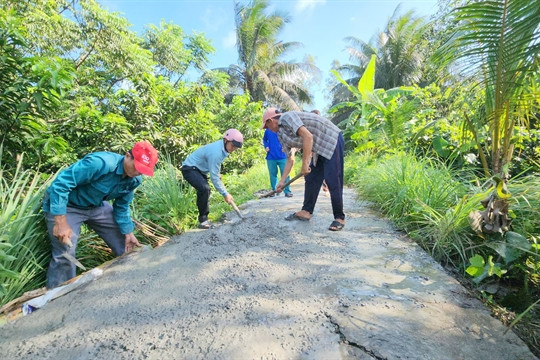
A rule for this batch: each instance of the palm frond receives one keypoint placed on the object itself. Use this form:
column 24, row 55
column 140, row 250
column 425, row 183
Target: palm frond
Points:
column 497, row 41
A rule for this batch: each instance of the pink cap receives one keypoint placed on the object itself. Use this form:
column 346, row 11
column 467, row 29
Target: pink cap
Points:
column 235, row 136
column 269, row 114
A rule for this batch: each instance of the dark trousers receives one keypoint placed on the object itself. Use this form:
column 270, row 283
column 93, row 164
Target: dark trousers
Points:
column 330, row 170
column 200, row 182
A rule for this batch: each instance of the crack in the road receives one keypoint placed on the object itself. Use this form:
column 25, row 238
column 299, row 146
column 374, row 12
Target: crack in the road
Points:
column 344, row 340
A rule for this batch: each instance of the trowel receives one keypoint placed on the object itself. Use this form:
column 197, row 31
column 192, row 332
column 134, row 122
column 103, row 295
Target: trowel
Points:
column 72, row 258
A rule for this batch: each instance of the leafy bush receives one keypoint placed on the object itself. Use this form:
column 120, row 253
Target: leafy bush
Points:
column 30, row 90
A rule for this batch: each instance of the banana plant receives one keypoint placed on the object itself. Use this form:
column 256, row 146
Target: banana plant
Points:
column 377, row 113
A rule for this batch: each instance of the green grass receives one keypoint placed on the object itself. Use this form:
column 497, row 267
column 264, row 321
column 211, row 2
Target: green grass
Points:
column 24, row 246
column 165, row 202
column 422, row 197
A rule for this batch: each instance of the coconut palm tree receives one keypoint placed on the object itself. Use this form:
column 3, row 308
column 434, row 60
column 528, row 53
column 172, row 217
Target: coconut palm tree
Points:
column 260, row 70
column 400, row 51
column 496, row 45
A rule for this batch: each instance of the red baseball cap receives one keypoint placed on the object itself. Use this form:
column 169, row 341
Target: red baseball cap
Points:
column 145, row 157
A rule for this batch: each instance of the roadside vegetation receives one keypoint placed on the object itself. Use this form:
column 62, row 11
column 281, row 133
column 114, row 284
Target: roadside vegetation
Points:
column 445, row 143
column 455, row 163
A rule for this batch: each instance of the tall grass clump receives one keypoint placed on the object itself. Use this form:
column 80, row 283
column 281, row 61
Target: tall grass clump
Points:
column 354, row 165
column 525, row 203
column 164, row 204
column 24, row 246
column 446, row 233
column 401, row 185
column 422, row 197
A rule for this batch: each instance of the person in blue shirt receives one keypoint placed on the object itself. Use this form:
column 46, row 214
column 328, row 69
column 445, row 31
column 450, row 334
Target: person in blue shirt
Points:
column 275, row 159
column 81, row 194
column 207, row 160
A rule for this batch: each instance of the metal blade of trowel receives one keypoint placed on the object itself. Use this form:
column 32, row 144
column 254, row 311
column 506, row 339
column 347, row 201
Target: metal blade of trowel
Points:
column 73, row 259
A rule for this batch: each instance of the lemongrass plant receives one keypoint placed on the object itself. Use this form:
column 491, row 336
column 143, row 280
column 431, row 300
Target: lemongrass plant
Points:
column 24, row 247
column 399, row 182
column 164, row 205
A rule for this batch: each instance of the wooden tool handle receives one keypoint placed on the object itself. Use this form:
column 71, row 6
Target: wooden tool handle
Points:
column 296, row 177
column 236, row 209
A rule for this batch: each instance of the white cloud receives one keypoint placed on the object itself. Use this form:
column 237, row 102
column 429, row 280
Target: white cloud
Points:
column 229, row 41
column 307, row 5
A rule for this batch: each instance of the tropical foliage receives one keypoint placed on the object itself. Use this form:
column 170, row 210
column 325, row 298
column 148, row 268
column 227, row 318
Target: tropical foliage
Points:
column 495, row 45
column 454, row 163
column 399, row 50
column 24, row 246
column 31, row 89
column 115, row 87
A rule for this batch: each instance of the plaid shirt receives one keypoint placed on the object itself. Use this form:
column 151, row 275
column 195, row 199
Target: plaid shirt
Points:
column 325, row 133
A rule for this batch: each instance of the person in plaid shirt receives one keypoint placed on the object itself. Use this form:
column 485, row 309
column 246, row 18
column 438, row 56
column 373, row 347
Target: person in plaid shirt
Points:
column 322, row 147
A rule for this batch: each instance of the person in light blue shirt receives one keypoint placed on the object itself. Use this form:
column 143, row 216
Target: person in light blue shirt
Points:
column 275, row 159
column 81, row 193
column 207, row 160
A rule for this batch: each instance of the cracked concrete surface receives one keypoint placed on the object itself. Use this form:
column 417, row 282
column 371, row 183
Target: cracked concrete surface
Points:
column 265, row 288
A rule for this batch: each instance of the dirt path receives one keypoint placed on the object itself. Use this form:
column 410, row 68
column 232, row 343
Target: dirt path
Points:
column 264, row 288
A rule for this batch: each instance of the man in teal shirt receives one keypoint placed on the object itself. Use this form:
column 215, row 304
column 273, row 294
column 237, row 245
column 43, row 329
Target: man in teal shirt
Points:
column 80, row 194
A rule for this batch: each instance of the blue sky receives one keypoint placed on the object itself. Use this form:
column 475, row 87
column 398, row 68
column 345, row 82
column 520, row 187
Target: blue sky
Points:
column 320, row 25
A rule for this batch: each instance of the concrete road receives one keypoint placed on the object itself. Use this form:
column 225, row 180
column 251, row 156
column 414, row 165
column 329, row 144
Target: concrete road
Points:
column 266, row 288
